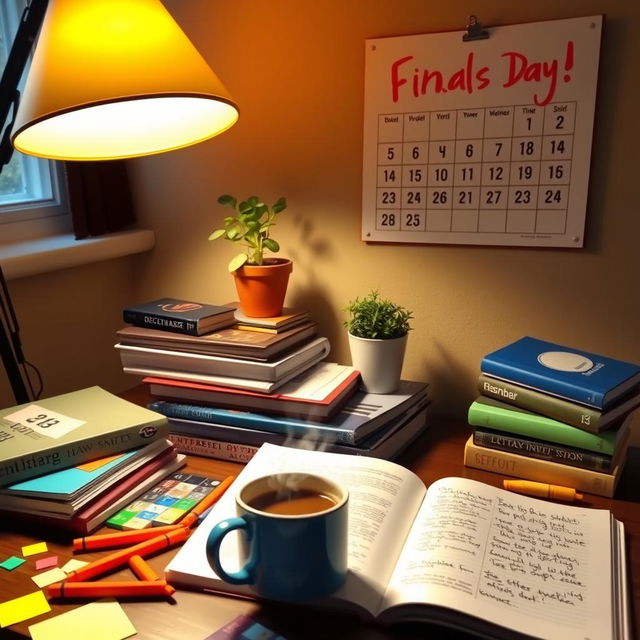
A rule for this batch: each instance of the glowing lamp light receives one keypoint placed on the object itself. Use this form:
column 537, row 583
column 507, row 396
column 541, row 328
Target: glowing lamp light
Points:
column 117, row 79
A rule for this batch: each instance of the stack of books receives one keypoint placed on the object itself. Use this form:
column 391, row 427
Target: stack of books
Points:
column 71, row 461
column 260, row 380
column 258, row 354
column 554, row 414
column 369, row 424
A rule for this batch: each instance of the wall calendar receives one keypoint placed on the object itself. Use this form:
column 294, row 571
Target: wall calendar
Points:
column 481, row 141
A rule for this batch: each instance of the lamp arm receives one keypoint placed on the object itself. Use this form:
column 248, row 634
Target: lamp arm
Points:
column 30, row 22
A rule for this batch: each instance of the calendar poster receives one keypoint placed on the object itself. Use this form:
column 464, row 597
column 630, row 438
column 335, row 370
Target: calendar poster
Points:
column 482, row 142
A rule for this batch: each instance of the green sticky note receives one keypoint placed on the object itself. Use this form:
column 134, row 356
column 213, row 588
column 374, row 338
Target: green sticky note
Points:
column 23, row 608
column 120, row 518
column 11, row 563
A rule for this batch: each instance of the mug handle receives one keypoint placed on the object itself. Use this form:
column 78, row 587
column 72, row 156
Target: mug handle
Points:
column 217, row 534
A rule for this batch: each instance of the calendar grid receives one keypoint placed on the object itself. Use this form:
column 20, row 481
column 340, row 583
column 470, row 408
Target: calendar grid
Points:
column 503, row 169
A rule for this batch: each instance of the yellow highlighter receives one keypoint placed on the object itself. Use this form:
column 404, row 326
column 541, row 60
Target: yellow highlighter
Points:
column 542, row 490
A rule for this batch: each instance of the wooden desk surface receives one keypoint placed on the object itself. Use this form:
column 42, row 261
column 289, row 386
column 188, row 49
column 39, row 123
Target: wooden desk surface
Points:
column 194, row 615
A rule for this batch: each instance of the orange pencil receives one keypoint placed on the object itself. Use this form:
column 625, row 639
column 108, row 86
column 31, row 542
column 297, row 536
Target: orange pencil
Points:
column 119, row 538
column 141, row 568
column 124, row 588
column 201, row 507
column 118, row 558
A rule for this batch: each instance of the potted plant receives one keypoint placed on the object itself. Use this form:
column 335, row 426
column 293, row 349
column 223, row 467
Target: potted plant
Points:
column 378, row 331
column 261, row 282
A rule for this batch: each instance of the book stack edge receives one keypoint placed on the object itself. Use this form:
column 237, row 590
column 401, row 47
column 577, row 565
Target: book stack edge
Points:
column 259, row 380
column 553, row 414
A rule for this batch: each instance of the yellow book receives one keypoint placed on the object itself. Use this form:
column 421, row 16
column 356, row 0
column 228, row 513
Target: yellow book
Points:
column 512, row 464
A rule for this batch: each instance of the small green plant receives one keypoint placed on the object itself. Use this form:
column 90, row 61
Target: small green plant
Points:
column 375, row 317
column 250, row 226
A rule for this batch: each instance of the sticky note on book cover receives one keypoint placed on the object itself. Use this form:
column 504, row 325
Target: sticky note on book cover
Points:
column 166, row 503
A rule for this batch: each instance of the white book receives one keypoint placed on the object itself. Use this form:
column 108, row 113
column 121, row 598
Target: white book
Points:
column 149, row 357
column 238, row 380
column 461, row 553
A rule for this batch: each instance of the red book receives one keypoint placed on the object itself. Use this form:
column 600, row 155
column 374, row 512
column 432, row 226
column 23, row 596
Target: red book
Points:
column 316, row 394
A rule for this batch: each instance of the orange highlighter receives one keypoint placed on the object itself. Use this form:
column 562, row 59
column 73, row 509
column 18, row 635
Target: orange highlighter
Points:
column 542, row 490
column 121, row 589
column 118, row 558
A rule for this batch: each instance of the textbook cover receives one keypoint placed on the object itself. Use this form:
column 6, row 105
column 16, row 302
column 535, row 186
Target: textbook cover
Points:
column 575, row 374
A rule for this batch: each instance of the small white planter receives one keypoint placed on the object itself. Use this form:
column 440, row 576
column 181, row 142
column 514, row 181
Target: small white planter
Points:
column 378, row 361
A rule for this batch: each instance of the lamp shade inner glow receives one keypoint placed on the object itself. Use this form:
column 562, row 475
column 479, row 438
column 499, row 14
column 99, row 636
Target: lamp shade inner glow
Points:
column 117, row 79
column 126, row 129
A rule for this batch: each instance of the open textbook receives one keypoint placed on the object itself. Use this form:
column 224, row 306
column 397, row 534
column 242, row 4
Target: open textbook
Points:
column 462, row 553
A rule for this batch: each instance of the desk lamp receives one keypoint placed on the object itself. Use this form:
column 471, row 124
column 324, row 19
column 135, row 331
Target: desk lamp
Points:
column 110, row 79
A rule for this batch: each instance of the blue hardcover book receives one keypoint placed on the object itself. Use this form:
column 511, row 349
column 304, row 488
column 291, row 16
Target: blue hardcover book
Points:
column 576, row 375
column 363, row 414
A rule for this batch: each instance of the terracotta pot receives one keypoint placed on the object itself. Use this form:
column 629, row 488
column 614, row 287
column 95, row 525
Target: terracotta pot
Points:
column 262, row 288
column 378, row 361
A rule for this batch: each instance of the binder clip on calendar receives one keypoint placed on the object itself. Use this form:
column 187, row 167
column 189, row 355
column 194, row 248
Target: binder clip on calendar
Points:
column 475, row 31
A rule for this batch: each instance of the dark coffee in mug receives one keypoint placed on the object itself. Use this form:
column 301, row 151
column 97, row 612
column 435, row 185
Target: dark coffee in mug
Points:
column 292, row 502
column 294, row 534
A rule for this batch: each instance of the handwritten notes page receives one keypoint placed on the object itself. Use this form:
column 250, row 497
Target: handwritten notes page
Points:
column 535, row 567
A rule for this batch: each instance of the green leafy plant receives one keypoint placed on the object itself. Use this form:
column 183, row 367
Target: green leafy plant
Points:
column 250, row 226
column 375, row 317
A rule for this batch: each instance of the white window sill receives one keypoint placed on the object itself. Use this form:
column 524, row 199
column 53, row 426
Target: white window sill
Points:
column 63, row 251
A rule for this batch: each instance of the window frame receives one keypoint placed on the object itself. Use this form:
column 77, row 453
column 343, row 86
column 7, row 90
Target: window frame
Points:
column 35, row 217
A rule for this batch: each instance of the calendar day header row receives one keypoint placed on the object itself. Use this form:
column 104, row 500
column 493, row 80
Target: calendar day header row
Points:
column 490, row 122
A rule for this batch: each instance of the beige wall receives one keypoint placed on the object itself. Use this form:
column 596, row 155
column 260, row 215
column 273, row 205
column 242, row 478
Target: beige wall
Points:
column 296, row 70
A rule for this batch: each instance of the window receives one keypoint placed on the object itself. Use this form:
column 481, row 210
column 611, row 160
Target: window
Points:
column 32, row 191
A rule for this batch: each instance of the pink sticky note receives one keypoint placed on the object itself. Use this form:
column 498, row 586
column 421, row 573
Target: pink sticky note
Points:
column 46, row 563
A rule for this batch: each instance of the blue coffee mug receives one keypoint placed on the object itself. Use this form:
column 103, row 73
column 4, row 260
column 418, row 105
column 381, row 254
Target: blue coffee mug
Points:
column 286, row 557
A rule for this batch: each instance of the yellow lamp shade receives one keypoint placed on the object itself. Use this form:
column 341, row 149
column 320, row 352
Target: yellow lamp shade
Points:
column 117, row 79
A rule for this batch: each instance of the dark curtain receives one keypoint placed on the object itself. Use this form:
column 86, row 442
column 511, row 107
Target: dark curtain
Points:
column 99, row 197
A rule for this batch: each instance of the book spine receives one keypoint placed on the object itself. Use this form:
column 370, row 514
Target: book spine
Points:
column 71, row 454
column 542, row 450
column 218, row 449
column 512, row 464
column 513, row 373
column 577, row 415
column 535, row 426
column 161, row 322
column 248, row 420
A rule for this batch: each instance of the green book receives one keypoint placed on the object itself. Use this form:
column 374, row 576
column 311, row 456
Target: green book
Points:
column 70, row 429
column 487, row 412
column 578, row 415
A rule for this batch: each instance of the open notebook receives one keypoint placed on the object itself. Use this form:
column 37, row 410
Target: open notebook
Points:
column 462, row 553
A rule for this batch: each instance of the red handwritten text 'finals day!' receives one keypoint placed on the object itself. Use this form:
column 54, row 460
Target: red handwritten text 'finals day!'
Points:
column 515, row 69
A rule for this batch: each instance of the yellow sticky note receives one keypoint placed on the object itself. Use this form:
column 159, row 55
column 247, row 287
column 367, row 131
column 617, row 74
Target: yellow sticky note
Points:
column 49, row 577
column 32, row 549
column 73, row 564
column 98, row 621
column 23, row 608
